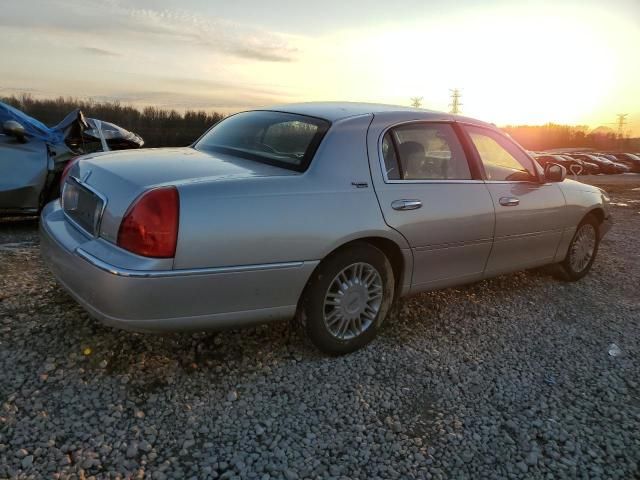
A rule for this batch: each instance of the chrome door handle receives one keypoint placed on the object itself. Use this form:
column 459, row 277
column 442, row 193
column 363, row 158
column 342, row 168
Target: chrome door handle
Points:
column 406, row 204
column 509, row 201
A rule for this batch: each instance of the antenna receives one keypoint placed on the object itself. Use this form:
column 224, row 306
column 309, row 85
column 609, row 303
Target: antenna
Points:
column 456, row 106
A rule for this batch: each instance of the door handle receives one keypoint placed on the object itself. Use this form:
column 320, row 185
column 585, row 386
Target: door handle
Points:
column 406, row 204
column 509, row 201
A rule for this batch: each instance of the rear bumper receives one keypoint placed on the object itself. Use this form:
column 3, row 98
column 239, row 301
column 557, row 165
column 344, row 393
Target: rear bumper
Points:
column 167, row 300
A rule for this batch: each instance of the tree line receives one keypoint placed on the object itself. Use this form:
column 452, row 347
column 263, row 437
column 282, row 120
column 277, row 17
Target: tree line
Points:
column 158, row 127
column 551, row 135
column 169, row 128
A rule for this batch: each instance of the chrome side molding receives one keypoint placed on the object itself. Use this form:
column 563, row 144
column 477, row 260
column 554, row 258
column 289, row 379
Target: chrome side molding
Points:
column 124, row 272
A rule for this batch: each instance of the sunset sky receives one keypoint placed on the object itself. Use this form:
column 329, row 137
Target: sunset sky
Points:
column 575, row 62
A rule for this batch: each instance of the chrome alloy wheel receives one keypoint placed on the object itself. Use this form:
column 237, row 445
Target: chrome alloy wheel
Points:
column 582, row 248
column 352, row 301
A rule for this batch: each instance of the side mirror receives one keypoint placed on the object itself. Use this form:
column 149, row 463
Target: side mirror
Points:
column 13, row 128
column 554, row 172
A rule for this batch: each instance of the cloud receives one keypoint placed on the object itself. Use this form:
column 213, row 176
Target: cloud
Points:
column 220, row 34
column 115, row 20
column 99, row 51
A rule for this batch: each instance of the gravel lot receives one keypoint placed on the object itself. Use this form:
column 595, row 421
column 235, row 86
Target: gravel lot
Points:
column 507, row 378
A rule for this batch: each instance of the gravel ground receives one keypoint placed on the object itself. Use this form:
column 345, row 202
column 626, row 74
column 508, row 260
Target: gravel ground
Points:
column 506, row 378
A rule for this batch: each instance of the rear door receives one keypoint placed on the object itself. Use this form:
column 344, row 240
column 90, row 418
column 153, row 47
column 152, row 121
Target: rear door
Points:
column 529, row 211
column 430, row 193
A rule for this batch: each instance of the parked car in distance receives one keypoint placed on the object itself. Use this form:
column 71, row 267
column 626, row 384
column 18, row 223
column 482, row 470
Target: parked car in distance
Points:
column 548, row 159
column 324, row 212
column 619, row 166
column 573, row 165
column 33, row 156
column 606, row 165
column 630, row 160
column 591, row 168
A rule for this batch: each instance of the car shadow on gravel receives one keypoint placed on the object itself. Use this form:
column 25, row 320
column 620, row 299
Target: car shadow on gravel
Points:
column 148, row 361
column 18, row 229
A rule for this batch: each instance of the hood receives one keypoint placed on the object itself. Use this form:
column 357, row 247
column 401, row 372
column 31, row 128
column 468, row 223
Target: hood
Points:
column 32, row 127
column 74, row 130
column 116, row 138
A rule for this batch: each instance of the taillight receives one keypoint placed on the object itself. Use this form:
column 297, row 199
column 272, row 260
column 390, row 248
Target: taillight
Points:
column 72, row 161
column 150, row 226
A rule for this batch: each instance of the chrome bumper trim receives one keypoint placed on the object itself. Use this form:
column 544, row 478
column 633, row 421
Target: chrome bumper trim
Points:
column 123, row 272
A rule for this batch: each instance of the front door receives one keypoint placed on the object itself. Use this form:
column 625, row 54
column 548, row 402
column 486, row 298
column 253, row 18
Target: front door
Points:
column 529, row 210
column 427, row 192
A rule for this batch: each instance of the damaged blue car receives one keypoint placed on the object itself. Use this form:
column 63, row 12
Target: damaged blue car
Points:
column 33, row 156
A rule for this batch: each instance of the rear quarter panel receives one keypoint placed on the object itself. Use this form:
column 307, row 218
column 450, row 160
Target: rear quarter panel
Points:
column 284, row 218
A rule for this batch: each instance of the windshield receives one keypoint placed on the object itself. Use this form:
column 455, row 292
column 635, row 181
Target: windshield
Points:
column 283, row 139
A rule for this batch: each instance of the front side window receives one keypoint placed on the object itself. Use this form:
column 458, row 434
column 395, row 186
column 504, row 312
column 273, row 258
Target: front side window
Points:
column 501, row 159
column 284, row 139
column 424, row 151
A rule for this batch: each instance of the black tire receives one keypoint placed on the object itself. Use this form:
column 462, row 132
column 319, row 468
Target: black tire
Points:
column 313, row 309
column 568, row 272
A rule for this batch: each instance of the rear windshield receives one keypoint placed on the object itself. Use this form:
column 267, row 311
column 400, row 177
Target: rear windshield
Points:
column 277, row 138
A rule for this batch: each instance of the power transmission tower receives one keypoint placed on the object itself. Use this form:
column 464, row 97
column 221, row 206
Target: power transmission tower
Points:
column 456, row 105
column 416, row 102
column 622, row 121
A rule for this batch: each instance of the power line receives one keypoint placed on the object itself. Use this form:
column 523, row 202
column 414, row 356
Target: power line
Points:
column 456, row 105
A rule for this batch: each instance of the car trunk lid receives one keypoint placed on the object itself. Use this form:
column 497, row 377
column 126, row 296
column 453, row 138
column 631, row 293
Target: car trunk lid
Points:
column 118, row 178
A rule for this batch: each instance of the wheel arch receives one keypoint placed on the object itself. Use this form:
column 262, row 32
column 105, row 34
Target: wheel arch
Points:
column 597, row 212
column 393, row 252
column 401, row 263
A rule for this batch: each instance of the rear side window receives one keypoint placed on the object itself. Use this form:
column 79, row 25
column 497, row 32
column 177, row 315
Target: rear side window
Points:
column 424, row 151
column 501, row 158
column 283, row 139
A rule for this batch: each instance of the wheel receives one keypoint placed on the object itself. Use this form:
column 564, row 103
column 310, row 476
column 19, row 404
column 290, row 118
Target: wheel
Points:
column 347, row 299
column 582, row 250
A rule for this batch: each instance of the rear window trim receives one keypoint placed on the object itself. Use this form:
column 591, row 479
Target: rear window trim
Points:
column 306, row 159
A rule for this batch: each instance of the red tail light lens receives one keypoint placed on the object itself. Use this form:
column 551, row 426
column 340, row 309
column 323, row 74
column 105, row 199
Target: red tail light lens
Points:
column 72, row 161
column 150, row 226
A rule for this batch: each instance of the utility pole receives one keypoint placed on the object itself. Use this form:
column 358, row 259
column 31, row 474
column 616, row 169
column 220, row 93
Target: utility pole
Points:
column 416, row 102
column 456, row 106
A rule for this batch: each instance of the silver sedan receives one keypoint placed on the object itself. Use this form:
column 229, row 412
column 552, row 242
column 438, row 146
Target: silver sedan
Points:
column 325, row 212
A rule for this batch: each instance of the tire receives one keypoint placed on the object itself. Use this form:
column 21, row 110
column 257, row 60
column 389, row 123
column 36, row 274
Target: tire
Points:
column 347, row 299
column 573, row 267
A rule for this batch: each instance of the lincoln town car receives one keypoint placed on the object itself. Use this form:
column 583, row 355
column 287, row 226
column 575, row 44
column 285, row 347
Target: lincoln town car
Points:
column 321, row 212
